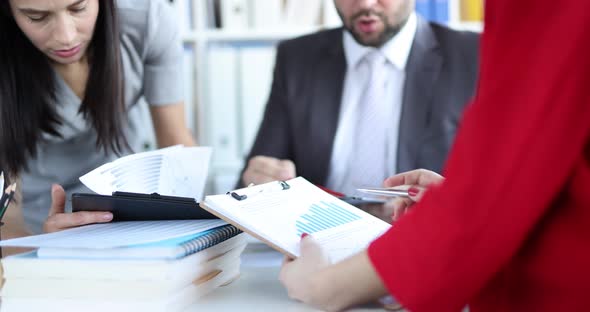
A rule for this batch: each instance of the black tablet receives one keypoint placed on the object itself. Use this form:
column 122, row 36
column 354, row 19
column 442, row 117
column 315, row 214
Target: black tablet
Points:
column 141, row 207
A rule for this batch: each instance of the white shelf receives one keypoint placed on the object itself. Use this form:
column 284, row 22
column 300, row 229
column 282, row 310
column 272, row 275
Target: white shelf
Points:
column 471, row 26
column 247, row 34
column 281, row 34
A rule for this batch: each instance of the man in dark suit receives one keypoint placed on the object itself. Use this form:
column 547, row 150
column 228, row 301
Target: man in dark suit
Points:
column 311, row 116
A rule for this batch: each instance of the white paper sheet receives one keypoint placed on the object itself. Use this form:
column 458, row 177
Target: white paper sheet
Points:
column 279, row 217
column 117, row 234
column 174, row 171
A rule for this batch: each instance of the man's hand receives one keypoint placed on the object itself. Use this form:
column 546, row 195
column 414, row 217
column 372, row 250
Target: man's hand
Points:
column 419, row 180
column 58, row 220
column 263, row 169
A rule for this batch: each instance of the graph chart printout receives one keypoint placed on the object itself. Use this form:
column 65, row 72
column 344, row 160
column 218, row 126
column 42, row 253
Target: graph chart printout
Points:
column 174, row 171
column 279, row 216
column 322, row 216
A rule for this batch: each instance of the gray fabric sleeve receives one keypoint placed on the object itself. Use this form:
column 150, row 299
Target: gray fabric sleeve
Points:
column 163, row 76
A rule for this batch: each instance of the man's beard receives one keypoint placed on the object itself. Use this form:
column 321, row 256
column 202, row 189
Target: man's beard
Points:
column 389, row 30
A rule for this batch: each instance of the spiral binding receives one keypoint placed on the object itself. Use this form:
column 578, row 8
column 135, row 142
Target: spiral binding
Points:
column 214, row 237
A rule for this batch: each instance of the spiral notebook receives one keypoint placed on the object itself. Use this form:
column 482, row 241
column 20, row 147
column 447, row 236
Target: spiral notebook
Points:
column 166, row 239
column 173, row 248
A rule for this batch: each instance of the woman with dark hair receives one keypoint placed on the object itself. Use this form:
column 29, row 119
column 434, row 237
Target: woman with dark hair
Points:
column 508, row 229
column 76, row 80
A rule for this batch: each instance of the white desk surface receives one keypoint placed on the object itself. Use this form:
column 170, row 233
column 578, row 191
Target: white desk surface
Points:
column 257, row 289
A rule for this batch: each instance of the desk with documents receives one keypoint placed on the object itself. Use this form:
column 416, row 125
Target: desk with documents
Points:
column 257, row 289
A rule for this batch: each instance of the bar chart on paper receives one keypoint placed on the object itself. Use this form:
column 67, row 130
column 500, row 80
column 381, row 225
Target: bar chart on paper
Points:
column 324, row 215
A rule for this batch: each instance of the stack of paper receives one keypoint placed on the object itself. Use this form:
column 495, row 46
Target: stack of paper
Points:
column 125, row 266
column 174, row 171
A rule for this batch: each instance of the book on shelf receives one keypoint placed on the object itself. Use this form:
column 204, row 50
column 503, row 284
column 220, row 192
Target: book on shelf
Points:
column 178, row 301
column 30, row 266
column 434, row 10
column 424, row 8
column 189, row 65
column 261, row 14
column 279, row 212
column 471, row 10
column 184, row 13
column 234, row 14
column 222, row 85
column 264, row 13
column 440, row 11
column 330, row 17
column 302, row 13
column 256, row 64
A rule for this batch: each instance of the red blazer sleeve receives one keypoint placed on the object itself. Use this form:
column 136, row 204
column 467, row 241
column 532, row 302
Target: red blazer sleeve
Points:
column 516, row 148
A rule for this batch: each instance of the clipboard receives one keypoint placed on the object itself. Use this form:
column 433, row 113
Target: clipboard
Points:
column 246, row 230
column 127, row 206
column 251, row 232
column 279, row 212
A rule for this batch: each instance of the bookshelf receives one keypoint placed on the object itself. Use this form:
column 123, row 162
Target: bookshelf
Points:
column 229, row 58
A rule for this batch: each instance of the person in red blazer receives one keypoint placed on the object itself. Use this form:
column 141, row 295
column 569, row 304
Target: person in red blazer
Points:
column 509, row 227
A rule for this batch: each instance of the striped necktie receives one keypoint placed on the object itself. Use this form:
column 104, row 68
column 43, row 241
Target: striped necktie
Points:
column 367, row 166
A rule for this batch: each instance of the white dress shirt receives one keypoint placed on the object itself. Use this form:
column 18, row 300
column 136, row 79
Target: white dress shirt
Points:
column 396, row 51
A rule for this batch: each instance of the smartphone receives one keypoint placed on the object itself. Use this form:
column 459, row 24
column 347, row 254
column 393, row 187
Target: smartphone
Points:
column 359, row 201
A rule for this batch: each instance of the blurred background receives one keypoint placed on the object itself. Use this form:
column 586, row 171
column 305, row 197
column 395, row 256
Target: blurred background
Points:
column 229, row 50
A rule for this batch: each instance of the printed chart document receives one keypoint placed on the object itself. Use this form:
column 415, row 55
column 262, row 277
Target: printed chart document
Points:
column 279, row 212
column 174, row 171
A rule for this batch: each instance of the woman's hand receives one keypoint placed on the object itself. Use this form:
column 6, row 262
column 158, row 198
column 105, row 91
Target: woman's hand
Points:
column 296, row 274
column 312, row 279
column 58, row 220
column 419, row 180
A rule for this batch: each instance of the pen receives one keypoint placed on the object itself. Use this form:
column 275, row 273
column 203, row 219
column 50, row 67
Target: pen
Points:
column 375, row 200
column 5, row 192
column 8, row 198
column 384, row 191
column 2, row 182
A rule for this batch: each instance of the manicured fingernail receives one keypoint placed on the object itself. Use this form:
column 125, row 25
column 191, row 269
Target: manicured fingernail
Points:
column 304, row 235
column 413, row 191
column 107, row 216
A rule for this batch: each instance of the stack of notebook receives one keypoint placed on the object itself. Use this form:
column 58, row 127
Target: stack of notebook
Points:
column 122, row 266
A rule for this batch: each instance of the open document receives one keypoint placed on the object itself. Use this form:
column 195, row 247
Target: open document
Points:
column 174, row 171
column 279, row 212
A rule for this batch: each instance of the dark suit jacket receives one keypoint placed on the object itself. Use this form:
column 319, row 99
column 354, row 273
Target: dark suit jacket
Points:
column 301, row 116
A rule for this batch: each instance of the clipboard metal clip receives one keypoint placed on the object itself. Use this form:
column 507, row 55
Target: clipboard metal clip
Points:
column 237, row 196
column 284, row 186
